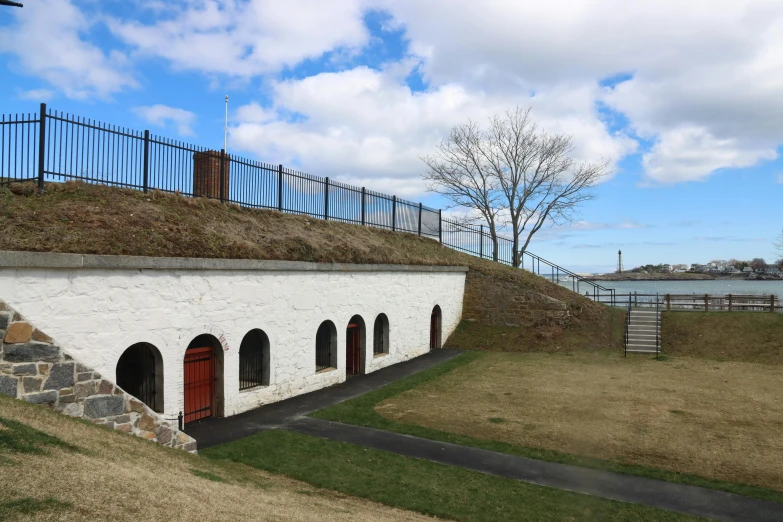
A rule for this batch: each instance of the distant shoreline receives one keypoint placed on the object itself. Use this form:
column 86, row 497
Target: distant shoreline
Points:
column 682, row 277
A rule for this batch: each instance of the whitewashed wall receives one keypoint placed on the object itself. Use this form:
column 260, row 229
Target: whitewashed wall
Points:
column 96, row 313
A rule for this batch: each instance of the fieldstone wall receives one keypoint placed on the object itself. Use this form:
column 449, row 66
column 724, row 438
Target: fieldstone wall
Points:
column 496, row 302
column 34, row 369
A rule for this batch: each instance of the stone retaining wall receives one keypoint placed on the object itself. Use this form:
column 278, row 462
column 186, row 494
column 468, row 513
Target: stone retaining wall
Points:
column 34, row 369
column 496, row 302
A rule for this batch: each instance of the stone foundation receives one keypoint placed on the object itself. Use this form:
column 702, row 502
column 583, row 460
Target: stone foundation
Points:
column 34, row 369
column 496, row 302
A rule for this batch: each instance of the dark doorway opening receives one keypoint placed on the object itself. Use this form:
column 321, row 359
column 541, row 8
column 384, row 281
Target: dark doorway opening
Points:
column 354, row 346
column 140, row 373
column 435, row 320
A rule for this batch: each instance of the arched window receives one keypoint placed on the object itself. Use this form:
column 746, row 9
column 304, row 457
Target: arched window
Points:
column 380, row 336
column 140, row 373
column 254, row 360
column 326, row 346
column 435, row 319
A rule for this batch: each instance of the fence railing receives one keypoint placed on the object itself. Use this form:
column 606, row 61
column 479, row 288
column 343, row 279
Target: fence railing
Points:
column 55, row 146
column 700, row 302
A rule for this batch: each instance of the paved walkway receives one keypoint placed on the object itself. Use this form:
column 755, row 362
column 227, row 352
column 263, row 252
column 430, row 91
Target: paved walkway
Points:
column 290, row 414
column 211, row 432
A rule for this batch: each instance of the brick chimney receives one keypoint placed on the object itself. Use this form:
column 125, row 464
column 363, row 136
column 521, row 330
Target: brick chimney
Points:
column 206, row 174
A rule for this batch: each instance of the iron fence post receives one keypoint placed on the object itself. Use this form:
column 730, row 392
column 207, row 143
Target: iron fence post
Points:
column 440, row 226
column 222, row 174
column 326, row 199
column 179, row 421
column 481, row 241
column 364, row 193
column 41, row 148
column 419, row 218
column 146, row 180
column 280, row 187
column 394, row 212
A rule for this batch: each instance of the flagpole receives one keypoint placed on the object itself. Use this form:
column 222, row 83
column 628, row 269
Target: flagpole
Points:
column 225, row 126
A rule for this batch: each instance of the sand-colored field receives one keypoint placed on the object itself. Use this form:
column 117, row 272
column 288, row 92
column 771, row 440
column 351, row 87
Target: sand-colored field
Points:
column 721, row 420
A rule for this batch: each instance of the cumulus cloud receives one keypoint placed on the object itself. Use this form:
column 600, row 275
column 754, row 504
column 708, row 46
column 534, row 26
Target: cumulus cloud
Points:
column 163, row 115
column 40, row 95
column 246, row 38
column 48, row 41
column 363, row 124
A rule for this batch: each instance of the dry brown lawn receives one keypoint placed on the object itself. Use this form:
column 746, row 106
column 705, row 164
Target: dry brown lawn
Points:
column 118, row 477
column 721, row 420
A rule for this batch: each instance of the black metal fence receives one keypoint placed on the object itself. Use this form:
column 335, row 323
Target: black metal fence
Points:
column 56, row 146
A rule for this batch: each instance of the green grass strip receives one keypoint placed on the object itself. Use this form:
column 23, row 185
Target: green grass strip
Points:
column 361, row 412
column 423, row 486
column 30, row 506
column 17, row 437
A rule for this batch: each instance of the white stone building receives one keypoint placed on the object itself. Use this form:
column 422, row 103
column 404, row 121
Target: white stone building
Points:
column 231, row 335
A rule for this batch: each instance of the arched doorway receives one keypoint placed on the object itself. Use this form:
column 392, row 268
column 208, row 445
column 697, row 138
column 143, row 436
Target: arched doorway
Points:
column 380, row 337
column 354, row 346
column 435, row 320
column 203, row 379
column 326, row 346
column 140, row 373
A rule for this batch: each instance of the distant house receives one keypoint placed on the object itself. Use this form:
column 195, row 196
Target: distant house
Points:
column 747, row 270
column 680, row 271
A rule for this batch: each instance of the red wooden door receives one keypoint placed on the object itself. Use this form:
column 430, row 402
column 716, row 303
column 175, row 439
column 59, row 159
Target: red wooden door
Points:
column 434, row 320
column 352, row 350
column 199, row 383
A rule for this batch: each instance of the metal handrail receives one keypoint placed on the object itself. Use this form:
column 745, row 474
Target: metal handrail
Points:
column 575, row 277
column 627, row 326
column 657, row 326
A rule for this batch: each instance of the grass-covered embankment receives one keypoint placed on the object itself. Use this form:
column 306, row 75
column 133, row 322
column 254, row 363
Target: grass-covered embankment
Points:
column 53, row 467
column 580, row 336
column 95, row 219
column 731, row 336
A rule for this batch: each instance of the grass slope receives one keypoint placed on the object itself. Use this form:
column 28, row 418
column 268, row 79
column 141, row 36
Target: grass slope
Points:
column 53, row 467
column 363, row 411
column 95, row 219
column 580, row 336
column 732, row 336
column 427, row 487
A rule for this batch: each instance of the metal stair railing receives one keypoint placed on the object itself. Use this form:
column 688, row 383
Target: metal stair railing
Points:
column 535, row 263
column 627, row 326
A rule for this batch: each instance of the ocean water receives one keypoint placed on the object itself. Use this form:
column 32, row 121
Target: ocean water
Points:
column 712, row 287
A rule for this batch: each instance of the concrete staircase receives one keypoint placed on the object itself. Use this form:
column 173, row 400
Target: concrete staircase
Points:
column 643, row 331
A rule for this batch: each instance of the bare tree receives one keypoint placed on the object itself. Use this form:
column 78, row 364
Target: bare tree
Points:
column 779, row 245
column 758, row 263
column 459, row 171
column 530, row 175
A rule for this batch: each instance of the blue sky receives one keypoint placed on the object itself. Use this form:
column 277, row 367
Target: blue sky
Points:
column 683, row 100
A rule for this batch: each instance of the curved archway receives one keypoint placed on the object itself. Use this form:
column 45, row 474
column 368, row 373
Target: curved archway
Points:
column 326, row 346
column 355, row 335
column 140, row 373
column 435, row 325
column 203, row 378
column 254, row 360
column 380, row 335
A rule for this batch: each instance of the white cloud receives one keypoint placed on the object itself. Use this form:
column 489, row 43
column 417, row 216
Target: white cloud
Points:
column 367, row 126
column 780, row 179
column 162, row 115
column 238, row 38
column 48, row 40
column 692, row 154
column 39, row 95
